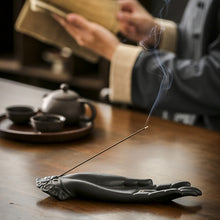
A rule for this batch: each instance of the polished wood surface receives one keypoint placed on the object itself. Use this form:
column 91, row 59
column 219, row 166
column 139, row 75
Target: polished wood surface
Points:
column 27, row 132
column 166, row 152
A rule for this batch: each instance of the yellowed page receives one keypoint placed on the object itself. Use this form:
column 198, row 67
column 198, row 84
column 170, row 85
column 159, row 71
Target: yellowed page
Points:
column 43, row 27
column 102, row 12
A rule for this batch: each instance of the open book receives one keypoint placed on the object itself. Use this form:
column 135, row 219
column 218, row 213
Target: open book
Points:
column 35, row 21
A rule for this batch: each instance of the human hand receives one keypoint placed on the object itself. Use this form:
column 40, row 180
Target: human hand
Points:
column 136, row 23
column 108, row 188
column 168, row 192
column 89, row 34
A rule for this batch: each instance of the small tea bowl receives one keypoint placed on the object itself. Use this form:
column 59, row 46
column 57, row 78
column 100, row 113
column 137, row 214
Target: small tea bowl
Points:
column 48, row 122
column 20, row 114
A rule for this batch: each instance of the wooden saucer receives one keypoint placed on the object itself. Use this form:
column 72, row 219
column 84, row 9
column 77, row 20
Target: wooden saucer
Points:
column 27, row 133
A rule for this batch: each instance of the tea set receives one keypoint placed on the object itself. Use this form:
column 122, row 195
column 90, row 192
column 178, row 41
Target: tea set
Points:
column 59, row 108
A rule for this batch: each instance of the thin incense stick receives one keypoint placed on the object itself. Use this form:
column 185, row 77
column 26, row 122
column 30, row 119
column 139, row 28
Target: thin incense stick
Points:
column 131, row 135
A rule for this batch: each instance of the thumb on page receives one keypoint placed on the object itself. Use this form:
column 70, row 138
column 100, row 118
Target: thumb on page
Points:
column 78, row 21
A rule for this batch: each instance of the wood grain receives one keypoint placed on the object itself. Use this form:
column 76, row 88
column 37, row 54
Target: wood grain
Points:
column 166, row 152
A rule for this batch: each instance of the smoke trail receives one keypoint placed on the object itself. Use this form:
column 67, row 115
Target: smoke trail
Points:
column 167, row 79
column 164, row 9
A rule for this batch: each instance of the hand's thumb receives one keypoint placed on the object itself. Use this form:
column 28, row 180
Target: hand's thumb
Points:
column 77, row 20
column 125, row 17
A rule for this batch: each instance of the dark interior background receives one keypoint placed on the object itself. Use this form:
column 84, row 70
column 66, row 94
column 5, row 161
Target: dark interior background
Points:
column 21, row 55
column 174, row 10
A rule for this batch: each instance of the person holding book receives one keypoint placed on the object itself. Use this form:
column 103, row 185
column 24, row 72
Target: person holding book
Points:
column 190, row 50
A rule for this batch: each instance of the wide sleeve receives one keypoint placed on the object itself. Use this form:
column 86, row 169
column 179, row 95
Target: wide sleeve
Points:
column 169, row 35
column 125, row 57
column 195, row 87
column 121, row 69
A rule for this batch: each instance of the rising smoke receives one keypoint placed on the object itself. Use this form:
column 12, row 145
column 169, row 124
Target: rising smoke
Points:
column 167, row 79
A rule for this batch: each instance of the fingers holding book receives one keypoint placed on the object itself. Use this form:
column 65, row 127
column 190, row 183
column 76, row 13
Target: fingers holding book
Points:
column 89, row 34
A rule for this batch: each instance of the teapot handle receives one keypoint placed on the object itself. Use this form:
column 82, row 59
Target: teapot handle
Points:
column 92, row 108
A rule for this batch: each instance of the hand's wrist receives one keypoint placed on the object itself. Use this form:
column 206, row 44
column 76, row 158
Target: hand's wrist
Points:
column 111, row 50
column 153, row 36
column 156, row 35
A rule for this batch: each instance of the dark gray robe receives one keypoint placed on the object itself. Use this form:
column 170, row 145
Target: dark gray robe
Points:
column 196, row 68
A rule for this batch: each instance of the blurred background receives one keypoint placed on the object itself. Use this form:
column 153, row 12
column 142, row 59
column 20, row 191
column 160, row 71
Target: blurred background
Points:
column 27, row 60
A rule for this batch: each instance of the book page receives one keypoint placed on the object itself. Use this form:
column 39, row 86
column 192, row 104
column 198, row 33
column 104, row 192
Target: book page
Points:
column 102, row 12
column 43, row 27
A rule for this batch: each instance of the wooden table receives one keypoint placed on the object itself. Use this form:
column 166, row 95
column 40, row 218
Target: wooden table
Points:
column 166, row 152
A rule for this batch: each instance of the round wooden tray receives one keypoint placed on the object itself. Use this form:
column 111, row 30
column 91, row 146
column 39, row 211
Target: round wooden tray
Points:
column 27, row 133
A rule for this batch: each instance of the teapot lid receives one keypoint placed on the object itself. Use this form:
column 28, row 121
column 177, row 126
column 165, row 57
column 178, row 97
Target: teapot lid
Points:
column 64, row 93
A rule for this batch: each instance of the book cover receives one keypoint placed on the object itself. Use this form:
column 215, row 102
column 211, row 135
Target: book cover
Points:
column 36, row 21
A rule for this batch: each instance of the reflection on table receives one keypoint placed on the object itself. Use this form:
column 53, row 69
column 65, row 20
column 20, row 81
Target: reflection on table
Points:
column 166, row 152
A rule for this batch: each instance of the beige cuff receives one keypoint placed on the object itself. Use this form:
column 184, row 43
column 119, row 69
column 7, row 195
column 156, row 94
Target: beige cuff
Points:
column 169, row 36
column 121, row 72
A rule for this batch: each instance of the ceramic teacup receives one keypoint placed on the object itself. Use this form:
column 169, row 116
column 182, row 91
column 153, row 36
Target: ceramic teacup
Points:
column 20, row 114
column 48, row 122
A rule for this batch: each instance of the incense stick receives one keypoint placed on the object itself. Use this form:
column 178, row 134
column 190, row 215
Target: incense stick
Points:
column 108, row 148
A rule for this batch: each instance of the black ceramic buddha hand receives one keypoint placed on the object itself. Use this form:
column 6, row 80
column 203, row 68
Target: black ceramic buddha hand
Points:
column 113, row 188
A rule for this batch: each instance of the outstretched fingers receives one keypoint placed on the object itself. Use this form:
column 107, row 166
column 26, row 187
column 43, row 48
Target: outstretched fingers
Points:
column 174, row 185
column 190, row 191
column 139, row 182
column 180, row 184
column 173, row 193
column 176, row 190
